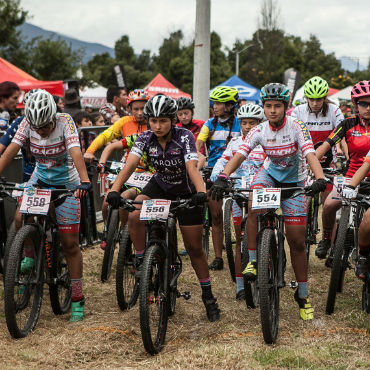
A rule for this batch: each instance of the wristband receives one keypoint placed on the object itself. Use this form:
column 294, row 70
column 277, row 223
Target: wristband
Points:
column 223, row 176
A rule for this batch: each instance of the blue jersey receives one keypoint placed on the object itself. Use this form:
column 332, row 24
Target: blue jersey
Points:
column 219, row 137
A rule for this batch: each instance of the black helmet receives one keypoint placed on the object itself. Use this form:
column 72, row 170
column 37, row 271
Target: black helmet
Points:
column 275, row 91
column 160, row 106
column 185, row 103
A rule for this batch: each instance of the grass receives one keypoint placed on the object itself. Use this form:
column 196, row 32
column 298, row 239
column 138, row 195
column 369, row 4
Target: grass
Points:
column 109, row 338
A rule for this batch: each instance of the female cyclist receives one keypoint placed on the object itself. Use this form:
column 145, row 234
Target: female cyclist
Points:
column 172, row 152
column 249, row 115
column 219, row 130
column 286, row 142
column 321, row 118
column 54, row 142
column 355, row 130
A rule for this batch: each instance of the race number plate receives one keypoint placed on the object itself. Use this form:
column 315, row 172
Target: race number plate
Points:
column 139, row 179
column 36, row 201
column 116, row 165
column 155, row 209
column 339, row 183
column 266, row 198
column 103, row 180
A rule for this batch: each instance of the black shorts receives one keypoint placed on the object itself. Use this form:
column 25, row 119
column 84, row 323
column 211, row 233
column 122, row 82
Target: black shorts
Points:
column 187, row 216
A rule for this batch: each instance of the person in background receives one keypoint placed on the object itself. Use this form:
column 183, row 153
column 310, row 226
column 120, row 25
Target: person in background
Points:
column 97, row 119
column 89, row 108
column 116, row 105
column 72, row 102
column 60, row 103
column 82, row 119
column 242, row 102
column 9, row 94
column 345, row 108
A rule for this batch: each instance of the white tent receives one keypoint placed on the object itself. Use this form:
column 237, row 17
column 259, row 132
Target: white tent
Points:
column 95, row 96
column 344, row 94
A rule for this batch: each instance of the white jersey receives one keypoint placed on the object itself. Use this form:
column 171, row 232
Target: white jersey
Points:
column 53, row 164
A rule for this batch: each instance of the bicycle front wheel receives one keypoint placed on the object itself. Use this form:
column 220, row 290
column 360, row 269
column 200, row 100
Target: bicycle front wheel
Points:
column 23, row 286
column 154, row 302
column 250, row 287
column 268, row 285
column 230, row 239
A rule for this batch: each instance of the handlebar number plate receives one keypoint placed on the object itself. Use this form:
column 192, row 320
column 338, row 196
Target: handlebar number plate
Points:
column 266, row 198
column 36, row 201
column 155, row 209
column 139, row 179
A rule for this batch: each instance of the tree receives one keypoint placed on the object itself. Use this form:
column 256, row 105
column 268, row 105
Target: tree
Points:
column 270, row 16
column 99, row 69
column 220, row 67
column 124, row 52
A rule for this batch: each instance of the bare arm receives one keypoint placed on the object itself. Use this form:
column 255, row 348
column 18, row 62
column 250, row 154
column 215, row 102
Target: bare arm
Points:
column 9, row 154
column 315, row 165
column 195, row 176
column 201, row 161
column 322, row 149
column 199, row 145
column 233, row 164
column 131, row 164
column 108, row 151
column 360, row 174
column 2, row 148
column 78, row 160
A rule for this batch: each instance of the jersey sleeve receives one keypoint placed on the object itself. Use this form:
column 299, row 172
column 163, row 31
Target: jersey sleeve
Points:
column 338, row 133
column 113, row 132
column 22, row 134
column 70, row 133
column 139, row 146
column 188, row 141
column 204, row 132
column 253, row 139
column 303, row 137
column 218, row 168
column 6, row 139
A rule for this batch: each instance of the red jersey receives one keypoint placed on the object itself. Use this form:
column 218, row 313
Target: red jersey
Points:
column 194, row 127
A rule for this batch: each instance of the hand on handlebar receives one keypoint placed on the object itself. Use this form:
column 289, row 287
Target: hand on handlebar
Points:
column 317, row 187
column 199, row 198
column 114, row 199
column 82, row 189
column 89, row 157
column 349, row 192
column 219, row 187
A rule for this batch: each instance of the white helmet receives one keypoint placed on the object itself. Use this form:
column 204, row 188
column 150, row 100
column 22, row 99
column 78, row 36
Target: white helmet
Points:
column 250, row 111
column 40, row 109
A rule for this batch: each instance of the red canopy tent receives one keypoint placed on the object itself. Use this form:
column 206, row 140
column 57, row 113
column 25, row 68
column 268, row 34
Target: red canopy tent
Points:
column 159, row 85
column 9, row 72
column 332, row 91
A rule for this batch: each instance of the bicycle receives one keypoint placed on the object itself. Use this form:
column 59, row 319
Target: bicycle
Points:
column 207, row 221
column 159, row 272
column 23, row 290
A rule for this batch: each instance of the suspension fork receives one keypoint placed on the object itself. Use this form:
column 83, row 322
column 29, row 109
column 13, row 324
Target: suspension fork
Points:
column 281, row 257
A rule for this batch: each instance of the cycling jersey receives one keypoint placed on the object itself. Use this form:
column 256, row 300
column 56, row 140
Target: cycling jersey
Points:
column 218, row 136
column 285, row 147
column 53, row 164
column 248, row 168
column 125, row 126
column 169, row 164
column 358, row 142
column 28, row 161
column 194, row 127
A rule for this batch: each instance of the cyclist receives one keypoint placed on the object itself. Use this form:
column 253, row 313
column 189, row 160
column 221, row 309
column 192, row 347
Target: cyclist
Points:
column 320, row 117
column 249, row 115
column 125, row 126
column 355, row 131
column 172, row 152
column 286, row 142
column 219, row 130
column 54, row 143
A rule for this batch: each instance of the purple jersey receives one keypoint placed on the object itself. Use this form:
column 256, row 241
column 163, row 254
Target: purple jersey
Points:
column 169, row 164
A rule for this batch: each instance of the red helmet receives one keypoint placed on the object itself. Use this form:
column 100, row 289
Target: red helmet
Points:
column 360, row 90
column 137, row 95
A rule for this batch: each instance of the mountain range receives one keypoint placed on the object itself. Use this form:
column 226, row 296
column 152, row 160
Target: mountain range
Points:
column 30, row 31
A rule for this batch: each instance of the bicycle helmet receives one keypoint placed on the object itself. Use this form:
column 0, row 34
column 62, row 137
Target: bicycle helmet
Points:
column 361, row 89
column 137, row 95
column 28, row 94
column 275, row 91
column 250, row 111
column 185, row 103
column 40, row 109
column 224, row 94
column 316, row 88
column 160, row 106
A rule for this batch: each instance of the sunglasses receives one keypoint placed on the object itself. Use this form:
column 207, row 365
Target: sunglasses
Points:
column 363, row 104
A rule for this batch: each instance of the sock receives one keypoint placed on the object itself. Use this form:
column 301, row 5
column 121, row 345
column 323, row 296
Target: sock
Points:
column 252, row 255
column 140, row 253
column 205, row 284
column 302, row 289
column 76, row 286
column 326, row 234
column 239, row 283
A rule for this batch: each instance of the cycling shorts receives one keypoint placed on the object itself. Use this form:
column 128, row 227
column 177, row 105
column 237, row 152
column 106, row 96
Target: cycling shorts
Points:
column 186, row 216
column 294, row 209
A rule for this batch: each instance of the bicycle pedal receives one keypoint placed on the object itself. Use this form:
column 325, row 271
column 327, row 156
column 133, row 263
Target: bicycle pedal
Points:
column 293, row 284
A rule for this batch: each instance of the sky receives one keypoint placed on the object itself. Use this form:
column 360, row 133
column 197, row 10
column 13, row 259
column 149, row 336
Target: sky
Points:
column 342, row 26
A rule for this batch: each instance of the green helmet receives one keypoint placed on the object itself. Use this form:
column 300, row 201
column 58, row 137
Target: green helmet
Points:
column 224, row 94
column 316, row 88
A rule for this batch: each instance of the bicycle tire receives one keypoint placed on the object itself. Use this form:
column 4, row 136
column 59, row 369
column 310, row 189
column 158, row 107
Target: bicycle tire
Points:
column 206, row 231
column 111, row 243
column 174, row 264
column 250, row 287
column 60, row 291
column 337, row 265
column 229, row 237
column 309, row 227
column 22, row 305
column 153, row 297
column 268, row 286
column 127, row 288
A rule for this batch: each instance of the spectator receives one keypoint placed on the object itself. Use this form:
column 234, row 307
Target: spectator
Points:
column 97, row 119
column 72, row 102
column 242, row 102
column 82, row 119
column 345, row 108
column 9, row 94
column 116, row 105
column 89, row 108
column 60, row 103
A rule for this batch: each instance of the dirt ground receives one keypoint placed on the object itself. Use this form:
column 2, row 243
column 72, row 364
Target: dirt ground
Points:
column 110, row 339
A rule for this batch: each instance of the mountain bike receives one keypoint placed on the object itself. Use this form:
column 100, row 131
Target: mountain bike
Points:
column 23, row 288
column 159, row 271
column 207, row 223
